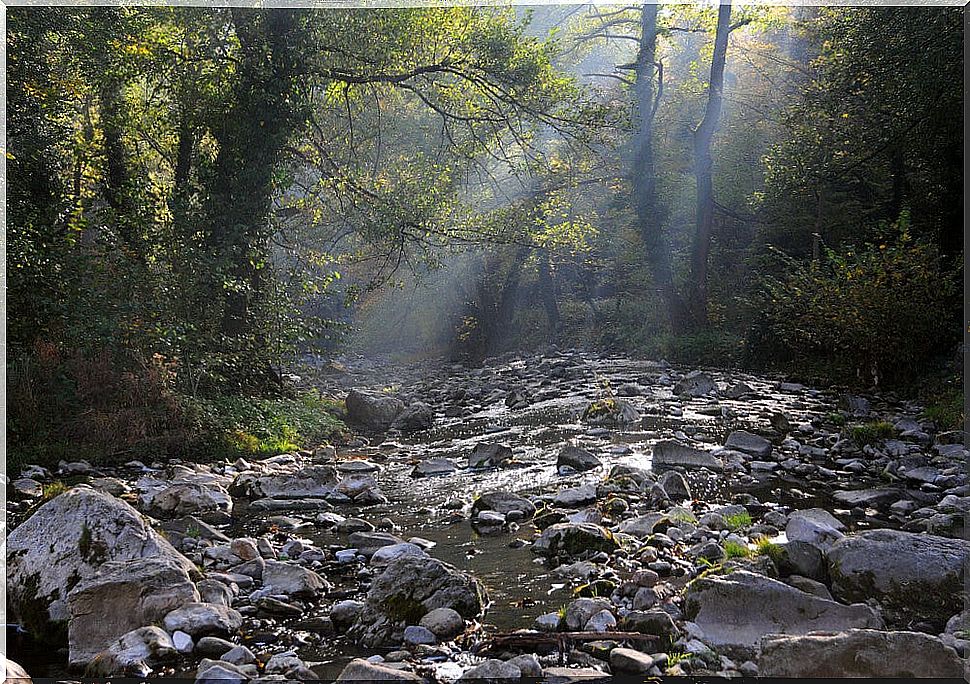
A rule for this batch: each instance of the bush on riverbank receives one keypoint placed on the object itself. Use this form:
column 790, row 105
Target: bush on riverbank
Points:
column 97, row 407
column 880, row 312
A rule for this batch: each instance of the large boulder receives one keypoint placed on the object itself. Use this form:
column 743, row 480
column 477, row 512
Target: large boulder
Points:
column 859, row 653
column 669, row 453
column 504, row 503
column 723, row 608
column 409, row 588
column 121, row 597
column 64, row 543
column 574, row 539
column 912, row 575
column 373, row 411
column 815, row 526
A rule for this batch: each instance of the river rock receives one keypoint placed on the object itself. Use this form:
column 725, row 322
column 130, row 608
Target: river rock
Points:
column 723, row 608
column 199, row 619
column 675, row 486
column 293, row 580
column 695, row 384
column 814, row 526
column 580, row 611
column 859, row 653
column 573, row 539
column 573, row 497
column 444, row 623
column 360, row 670
column 867, row 497
column 132, row 653
column 574, row 675
column 65, row 542
column 611, row 411
column 123, row 596
column 657, row 622
column 311, row 482
column 433, row 467
column 489, row 455
column 748, row 443
column 417, row 416
column 642, row 526
column 13, row 672
column 372, row 411
column 671, row 453
column 386, row 554
column 577, row 459
column 367, row 543
column 913, row 575
column 218, row 672
column 409, row 588
column 630, row 662
column 183, row 498
column 504, row 503
column 415, row 635
column 493, row 670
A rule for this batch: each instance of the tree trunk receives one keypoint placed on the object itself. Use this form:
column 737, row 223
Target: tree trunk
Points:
column 649, row 213
column 499, row 327
column 547, row 289
column 703, row 172
column 251, row 139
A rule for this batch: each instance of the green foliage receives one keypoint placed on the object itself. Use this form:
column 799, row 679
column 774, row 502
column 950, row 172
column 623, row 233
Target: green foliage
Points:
column 946, row 410
column 676, row 657
column 763, row 546
column 52, row 489
column 737, row 521
column 872, row 432
column 836, row 418
column 734, row 549
column 242, row 425
column 712, row 347
column 878, row 310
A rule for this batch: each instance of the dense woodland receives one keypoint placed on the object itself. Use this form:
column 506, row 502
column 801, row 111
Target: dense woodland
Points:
column 199, row 198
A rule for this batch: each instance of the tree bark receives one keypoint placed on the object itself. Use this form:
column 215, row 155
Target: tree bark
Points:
column 703, row 172
column 547, row 288
column 498, row 328
column 650, row 216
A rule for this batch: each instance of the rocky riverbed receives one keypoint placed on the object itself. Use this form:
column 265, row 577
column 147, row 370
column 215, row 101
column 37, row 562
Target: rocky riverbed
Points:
column 561, row 515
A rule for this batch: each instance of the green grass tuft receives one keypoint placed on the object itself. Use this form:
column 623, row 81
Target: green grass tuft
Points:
column 872, row 432
column 763, row 546
column 733, row 549
column 738, row 521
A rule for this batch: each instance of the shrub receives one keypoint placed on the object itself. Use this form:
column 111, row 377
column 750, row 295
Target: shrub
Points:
column 879, row 310
column 737, row 521
column 872, row 432
column 763, row 546
column 733, row 549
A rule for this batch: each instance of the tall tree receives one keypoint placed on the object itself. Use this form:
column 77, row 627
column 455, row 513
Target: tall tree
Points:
column 648, row 89
column 703, row 172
